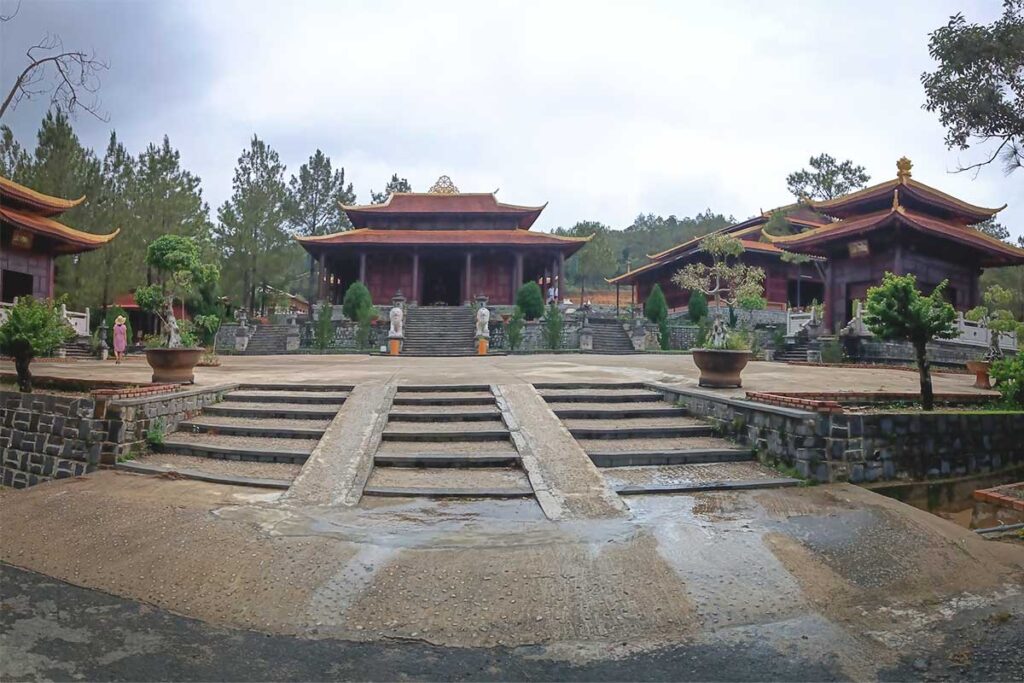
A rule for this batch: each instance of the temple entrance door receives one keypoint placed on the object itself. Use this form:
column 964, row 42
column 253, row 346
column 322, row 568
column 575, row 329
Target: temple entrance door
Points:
column 441, row 280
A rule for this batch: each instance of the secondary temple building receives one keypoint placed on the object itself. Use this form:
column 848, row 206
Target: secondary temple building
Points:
column 441, row 247
column 31, row 238
column 900, row 226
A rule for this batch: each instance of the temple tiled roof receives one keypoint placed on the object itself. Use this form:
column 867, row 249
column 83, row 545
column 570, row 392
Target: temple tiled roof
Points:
column 16, row 195
column 70, row 241
column 491, row 238
column 427, row 203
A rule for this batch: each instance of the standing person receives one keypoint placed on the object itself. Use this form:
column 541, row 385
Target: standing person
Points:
column 120, row 339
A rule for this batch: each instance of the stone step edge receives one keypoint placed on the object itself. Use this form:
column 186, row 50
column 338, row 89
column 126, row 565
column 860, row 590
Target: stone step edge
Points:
column 139, row 468
column 224, row 452
column 640, row 432
column 257, row 411
column 430, row 492
column 337, row 388
column 443, row 401
column 490, row 435
column 629, row 386
column 442, row 388
column 617, row 413
column 687, row 456
column 238, row 397
column 648, row 397
column 482, row 416
column 696, row 487
column 200, row 427
column 501, row 459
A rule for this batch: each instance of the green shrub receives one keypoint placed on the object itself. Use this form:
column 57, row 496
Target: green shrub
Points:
column 779, row 336
column 323, row 334
column 514, row 331
column 155, row 433
column 1009, row 376
column 703, row 329
column 832, row 352
column 656, row 308
column 357, row 301
column 664, row 336
column 34, row 327
column 205, row 328
column 698, row 306
column 738, row 340
column 553, row 323
column 530, row 301
column 364, row 325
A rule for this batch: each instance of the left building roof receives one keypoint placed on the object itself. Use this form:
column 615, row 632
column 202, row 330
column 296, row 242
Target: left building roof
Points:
column 22, row 208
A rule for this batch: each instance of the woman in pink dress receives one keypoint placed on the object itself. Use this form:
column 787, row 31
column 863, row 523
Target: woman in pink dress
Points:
column 120, row 339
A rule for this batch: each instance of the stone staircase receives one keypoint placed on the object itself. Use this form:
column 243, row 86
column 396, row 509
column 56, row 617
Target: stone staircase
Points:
column 439, row 331
column 260, row 435
column 795, row 352
column 268, row 340
column 447, row 441
column 644, row 444
column 609, row 337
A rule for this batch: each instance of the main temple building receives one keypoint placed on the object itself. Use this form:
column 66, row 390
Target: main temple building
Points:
column 441, row 247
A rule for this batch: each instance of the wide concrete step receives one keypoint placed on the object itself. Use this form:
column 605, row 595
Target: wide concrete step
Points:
column 239, row 447
column 435, row 459
column 685, row 456
column 631, row 423
column 440, row 400
column 491, row 482
column 241, row 426
column 694, row 478
column 450, row 416
column 270, row 410
column 598, row 396
column 653, row 445
column 444, row 389
column 330, row 388
column 602, row 413
column 427, row 436
column 628, row 432
column 277, row 396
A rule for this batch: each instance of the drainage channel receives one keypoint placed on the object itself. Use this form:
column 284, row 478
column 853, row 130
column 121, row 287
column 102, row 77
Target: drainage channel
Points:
column 643, row 444
column 447, row 441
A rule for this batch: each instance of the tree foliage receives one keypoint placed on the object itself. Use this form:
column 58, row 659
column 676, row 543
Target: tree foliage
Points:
column 697, row 308
column 357, row 302
column 323, row 334
column 180, row 271
column 1009, row 376
column 553, row 324
column 896, row 310
column 995, row 315
column 826, row 179
column 514, row 331
column 315, row 196
column 396, row 184
column 591, row 264
column 530, row 300
column 33, row 328
column 977, row 89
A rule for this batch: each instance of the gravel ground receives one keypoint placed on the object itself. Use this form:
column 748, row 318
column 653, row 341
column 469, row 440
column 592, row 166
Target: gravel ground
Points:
column 672, row 443
column 449, row 477
column 632, row 422
column 256, row 443
column 254, row 408
column 224, row 420
column 475, row 426
column 681, row 474
column 480, row 447
column 237, row 468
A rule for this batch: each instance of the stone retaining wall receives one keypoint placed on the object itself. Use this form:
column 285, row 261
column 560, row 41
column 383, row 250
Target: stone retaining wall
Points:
column 46, row 436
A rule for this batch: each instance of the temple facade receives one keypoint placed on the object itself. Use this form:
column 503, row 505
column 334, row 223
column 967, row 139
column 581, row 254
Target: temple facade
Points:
column 900, row 226
column 31, row 238
column 441, row 247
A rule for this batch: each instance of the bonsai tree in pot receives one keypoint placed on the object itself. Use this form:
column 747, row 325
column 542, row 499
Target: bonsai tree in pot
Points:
column 730, row 283
column 995, row 316
column 896, row 310
column 33, row 328
column 180, row 272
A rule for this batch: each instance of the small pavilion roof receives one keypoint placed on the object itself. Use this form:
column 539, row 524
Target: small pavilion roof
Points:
column 427, row 238
column 443, row 203
column 69, row 240
column 913, row 193
column 995, row 252
column 17, row 196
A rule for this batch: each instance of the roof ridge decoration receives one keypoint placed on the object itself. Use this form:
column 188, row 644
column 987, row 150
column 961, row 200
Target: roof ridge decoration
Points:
column 903, row 166
column 444, row 185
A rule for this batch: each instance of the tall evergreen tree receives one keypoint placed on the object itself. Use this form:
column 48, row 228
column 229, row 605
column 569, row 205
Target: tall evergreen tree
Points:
column 314, row 196
column 252, row 235
column 396, row 184
column 827, row 179
column 111, row 266
column 15, row 162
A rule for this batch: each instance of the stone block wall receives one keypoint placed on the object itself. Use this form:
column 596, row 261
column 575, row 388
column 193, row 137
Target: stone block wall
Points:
column 44, row 436
column 872, row 350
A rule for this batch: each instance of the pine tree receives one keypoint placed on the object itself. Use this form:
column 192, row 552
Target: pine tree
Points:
column 252, row 236
column 116, row 201
column 15, row 162
column 396, row 184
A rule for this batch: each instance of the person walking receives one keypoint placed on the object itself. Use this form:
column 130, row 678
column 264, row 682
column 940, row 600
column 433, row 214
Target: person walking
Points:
column 120, row 339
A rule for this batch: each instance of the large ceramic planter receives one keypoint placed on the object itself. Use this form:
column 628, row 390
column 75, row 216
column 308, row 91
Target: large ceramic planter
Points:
column 173, row 366
column 980, row 369
column 720, row 368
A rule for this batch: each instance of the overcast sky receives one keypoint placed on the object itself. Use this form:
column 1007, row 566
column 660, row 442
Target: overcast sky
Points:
column 605, row 110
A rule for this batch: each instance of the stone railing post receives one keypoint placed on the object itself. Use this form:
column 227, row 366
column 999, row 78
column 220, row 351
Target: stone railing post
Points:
column 103, row 351
column 586, row 336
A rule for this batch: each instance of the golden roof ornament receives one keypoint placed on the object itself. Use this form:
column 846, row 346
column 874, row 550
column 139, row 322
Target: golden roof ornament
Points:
column 903, row 167
column 444, row 185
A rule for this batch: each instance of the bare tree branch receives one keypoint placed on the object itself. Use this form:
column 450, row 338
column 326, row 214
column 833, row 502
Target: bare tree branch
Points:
column 73, row 74
column 8, row 17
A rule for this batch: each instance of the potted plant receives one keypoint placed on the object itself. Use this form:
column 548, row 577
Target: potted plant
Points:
column 34, row 327
column 995, row 316
column 180, row 272
column 726, row 352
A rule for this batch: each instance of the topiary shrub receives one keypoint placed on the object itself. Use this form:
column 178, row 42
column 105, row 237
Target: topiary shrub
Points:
column 357, row 302
column 697, row 309
column 553, row 323
column 1009, row 376
column 33, row 328
column 323, row 334
column 530, row 301
column 656, row 308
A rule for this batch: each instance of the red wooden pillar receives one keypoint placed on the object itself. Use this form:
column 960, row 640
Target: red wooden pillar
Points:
column 468, row 298
column 414, row 295
column 362, row 267
column 322, row 289
column 561, row 275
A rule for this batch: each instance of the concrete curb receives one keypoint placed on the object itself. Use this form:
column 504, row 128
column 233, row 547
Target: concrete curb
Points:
column 139, row 468
column 411, row 492
column 695, row 487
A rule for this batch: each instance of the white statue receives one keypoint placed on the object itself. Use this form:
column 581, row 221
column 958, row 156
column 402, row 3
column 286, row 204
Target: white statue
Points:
column 396, row 323
column 483, row 316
